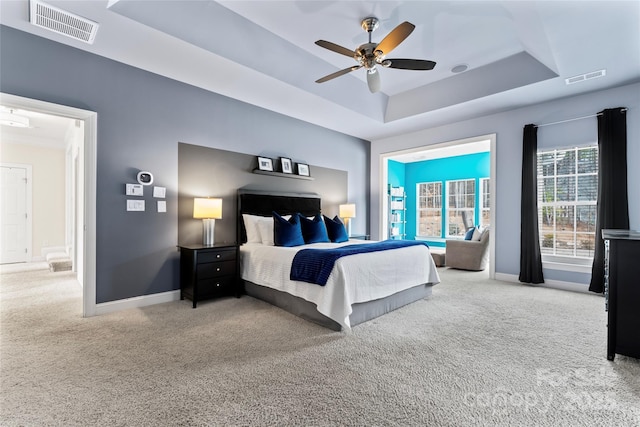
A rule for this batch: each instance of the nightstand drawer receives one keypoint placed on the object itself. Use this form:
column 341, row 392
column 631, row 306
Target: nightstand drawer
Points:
column 216, row 269
column 215, row 256
column 216, row 286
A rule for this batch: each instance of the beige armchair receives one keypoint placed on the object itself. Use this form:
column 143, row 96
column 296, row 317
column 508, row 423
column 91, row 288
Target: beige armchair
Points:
column 469, row 254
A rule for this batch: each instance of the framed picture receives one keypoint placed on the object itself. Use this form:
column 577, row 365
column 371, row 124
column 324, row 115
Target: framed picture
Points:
column 265, row 164
column 286, row 165
column 303, row 170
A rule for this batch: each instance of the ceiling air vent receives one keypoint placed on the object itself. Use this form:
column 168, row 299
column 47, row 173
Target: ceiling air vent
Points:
column 585, row 77
column 62, row 22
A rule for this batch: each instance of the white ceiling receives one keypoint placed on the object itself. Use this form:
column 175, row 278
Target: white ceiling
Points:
column 44, row 130
column 263, row 53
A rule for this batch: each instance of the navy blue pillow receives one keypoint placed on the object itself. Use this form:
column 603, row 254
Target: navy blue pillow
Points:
column 314, row 230
column 469, row 233
column 335, row 229
column 287, row 233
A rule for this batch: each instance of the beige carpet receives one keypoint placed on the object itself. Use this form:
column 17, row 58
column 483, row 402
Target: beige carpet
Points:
column 478, row 352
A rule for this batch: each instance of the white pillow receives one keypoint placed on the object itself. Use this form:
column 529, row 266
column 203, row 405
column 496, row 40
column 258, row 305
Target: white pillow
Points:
column 260, row 228
column 476, row 235
column 265, row 228
column 251, row 226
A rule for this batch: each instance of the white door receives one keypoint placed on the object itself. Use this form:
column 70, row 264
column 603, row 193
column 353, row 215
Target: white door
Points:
column 13, row 215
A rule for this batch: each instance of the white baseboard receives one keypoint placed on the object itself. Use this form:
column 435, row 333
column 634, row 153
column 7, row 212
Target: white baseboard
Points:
column 51, row 249
column 136, row 302
column 553, row 284
column 46, row 251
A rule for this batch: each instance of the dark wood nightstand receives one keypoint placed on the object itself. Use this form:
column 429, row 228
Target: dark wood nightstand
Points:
column 208, row 271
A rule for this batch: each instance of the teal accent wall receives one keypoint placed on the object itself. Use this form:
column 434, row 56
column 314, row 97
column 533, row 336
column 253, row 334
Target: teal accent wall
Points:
column 396, row 173
column 469, row 166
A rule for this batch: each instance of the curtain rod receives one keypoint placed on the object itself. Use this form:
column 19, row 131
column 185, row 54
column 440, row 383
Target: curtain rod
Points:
column 577, row 118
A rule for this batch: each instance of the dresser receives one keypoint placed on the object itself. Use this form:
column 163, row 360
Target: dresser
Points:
column 208, row 271
column 622, row 292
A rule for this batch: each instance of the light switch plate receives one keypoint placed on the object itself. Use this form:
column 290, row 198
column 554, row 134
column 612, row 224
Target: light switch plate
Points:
column 135, row 205
column 159, row 192
column 134, row 190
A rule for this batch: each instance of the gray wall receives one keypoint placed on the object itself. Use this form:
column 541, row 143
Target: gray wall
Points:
column 208, row 172
column 141, row 119
column 508, row 127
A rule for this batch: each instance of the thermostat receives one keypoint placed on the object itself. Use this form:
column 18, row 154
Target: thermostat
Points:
column 145, row 178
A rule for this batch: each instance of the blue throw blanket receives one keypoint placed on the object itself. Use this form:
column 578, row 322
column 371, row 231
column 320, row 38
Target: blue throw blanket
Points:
column 315, row 265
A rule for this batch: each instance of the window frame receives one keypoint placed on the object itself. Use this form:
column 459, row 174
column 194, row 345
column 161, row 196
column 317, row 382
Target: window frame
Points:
column 419, row 210
column 564, row 261
column 481, row 200
column 448, row 209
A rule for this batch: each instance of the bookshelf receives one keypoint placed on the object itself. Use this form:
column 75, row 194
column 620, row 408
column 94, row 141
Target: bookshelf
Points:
column 397, row 212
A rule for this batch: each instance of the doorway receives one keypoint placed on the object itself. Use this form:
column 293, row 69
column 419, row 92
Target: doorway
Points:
column 443, row 150
column 84, row 199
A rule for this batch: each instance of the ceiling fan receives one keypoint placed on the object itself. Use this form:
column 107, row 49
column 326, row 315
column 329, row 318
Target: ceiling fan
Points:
column 369, row 55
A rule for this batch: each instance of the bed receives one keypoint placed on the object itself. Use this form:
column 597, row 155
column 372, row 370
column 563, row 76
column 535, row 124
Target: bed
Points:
column 361, row 287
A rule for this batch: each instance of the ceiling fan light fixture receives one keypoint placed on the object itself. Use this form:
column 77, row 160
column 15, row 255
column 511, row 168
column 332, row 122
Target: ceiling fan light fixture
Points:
column 14, row 120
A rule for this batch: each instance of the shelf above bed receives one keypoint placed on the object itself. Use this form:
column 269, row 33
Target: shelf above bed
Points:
column 285, row 175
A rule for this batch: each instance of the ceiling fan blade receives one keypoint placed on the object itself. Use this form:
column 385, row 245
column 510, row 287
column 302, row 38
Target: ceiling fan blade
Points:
column 373, row 80
column 395, row 37
column 411, row 64
column 336, row 48
column 338, row 74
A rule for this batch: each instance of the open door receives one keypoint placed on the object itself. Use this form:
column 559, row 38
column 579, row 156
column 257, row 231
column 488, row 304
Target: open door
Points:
column 15, row 215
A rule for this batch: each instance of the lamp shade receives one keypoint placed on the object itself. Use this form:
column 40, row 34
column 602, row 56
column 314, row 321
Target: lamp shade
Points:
column 207, row 208
column 347, row 211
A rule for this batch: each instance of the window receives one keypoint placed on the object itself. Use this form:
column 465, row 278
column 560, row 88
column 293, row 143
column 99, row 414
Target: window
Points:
column 567, row 195
column 485, row 202
column 429, row 209
column 461, row 198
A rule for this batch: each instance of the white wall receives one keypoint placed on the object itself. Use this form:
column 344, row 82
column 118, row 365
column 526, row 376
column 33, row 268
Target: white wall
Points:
column 508, row 126
column 48, row 191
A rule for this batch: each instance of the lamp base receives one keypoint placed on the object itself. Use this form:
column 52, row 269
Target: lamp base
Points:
column 208, row 227
column 347, row 223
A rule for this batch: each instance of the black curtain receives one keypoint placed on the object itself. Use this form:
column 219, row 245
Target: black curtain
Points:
column 530, row 257
column 613, row 202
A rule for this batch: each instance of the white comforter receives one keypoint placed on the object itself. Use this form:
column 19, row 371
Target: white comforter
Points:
column 354, row 279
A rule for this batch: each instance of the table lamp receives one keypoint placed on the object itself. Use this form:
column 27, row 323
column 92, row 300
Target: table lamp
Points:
column 347, row 212
column 208, row 210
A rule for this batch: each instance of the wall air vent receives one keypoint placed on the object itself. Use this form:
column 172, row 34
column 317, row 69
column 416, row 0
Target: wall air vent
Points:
column 585, row 77
column 62, row 22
